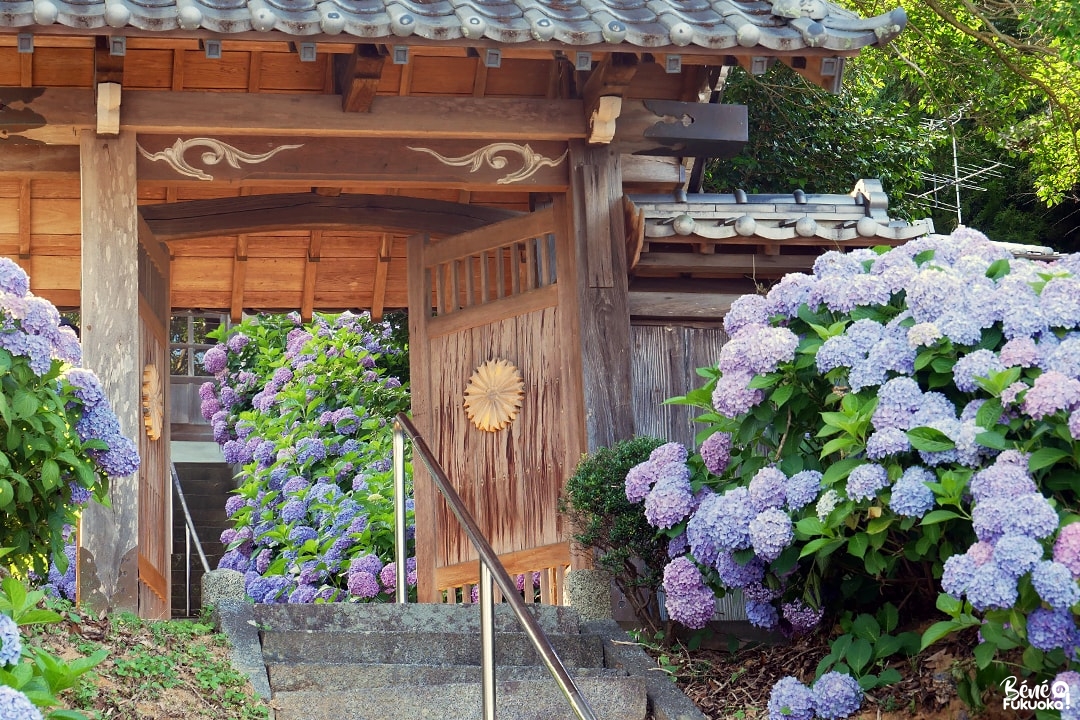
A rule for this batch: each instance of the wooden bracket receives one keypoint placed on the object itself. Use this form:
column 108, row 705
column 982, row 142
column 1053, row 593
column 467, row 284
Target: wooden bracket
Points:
column 357, row 77
column 108, row 108
column 603, row 93
column 682, row 129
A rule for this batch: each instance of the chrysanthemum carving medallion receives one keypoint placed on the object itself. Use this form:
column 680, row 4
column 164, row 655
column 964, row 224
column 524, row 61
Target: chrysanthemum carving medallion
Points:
column 493, row 396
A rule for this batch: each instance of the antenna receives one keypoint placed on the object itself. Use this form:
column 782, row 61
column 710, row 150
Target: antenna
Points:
column 963, row 176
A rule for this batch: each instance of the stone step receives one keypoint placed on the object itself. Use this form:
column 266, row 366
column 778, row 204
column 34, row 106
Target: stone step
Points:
column 433, row 647
column 330, row 677
column 414, row 617
column 612, row 698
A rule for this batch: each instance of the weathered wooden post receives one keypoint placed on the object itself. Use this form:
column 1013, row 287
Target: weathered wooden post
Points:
column 108, row 571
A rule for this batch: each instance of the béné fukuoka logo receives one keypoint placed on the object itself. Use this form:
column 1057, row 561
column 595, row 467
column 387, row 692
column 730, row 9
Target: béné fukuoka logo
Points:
column 1047, row 695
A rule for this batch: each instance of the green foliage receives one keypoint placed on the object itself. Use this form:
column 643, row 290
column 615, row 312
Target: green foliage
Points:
column 626, row 546
column 802, row 136
column 40, row 675
column 866, row 646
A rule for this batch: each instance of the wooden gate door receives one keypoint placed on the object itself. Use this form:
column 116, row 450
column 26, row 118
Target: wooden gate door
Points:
column 488, row 295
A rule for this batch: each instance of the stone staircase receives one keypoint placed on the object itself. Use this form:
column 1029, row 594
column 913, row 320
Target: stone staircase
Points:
column 388, row 662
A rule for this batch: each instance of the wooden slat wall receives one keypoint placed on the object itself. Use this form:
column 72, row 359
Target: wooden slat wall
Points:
column 664, row 360
column 496, row 296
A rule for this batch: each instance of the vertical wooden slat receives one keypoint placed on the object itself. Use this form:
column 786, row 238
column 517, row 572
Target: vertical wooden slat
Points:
column 254, row 71
column 236, row 304
column 108, row 561
column 485, row 289
column 544, row 251
column 382, row 270
column 24, row 225
column 26, row 69
column 500, row 274
column 454, row 268
column 178, row 70
column 515, row 268
column 530, row 264
column 470, row 296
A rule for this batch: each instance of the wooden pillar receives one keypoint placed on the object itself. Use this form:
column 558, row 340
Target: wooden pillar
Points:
column 603, row 305
column 108, row 554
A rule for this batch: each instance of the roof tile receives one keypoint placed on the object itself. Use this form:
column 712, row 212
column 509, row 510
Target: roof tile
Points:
column 780, row 25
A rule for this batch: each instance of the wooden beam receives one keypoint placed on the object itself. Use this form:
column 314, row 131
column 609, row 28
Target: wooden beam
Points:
column 53, row 115
column 261, row 213
column 358, row 76
column 698, row 306
column 332, row 162
column 108, row 556
column 382, row 270
column 656, row 264
column 20, row 162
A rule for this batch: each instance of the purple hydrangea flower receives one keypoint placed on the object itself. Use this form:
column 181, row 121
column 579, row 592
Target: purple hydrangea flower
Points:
column 640, row 479
column 1019, row 352
column 693, row 609
column 733, row 395
column 671, row 499
column 234, row 504
column 801, row 617
column 836, row 695
column 13, row 279
column 736, row 575
column 215, row 360
column 898, row 401
column 363, row 584
column 1029, row 514
column 865, row 480
column 369, row 563
column 747, row 310
column 770, row 532
column 1003, row 479
column 767, row 488
column 681, row 576
column 670, row 452
column 716, row 451
column 237, row 342
column 1055, row 584
column 1052, row 392
column 1067, row 548
column 790, row 700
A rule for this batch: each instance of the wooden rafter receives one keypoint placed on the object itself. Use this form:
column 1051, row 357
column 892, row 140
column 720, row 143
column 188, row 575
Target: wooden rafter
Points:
column 262, row 213
column 357, row 77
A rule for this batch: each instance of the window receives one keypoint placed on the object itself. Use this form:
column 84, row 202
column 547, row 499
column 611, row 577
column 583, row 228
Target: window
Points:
column 188, row 341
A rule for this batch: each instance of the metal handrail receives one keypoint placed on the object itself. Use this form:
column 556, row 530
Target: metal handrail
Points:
column 491, row 569
column 189, row 533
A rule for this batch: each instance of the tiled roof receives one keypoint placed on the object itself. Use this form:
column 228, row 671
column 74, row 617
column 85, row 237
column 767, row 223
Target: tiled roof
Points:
column 739, row 25
column 859, row 217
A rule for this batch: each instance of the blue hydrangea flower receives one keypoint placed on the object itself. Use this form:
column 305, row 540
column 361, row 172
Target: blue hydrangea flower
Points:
column 1029, row 514
column 1017, row 554
column 10, row 641
column 762, row 614
column 802, row 489
column 770, row 532
column 911, row 495
column 14, row 705
column 716, row 451
column 1050, row 630
column 733, row 395
column 865, row 480
column 991, row 587
column 729, row 516
column 836, row 695
column 885, row 442
column 747, row 310
column 790, row 700
column 1055, row 584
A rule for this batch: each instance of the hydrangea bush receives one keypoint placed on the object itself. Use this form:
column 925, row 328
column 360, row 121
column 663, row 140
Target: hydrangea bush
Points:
column 897, row 432
column 306, row 410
